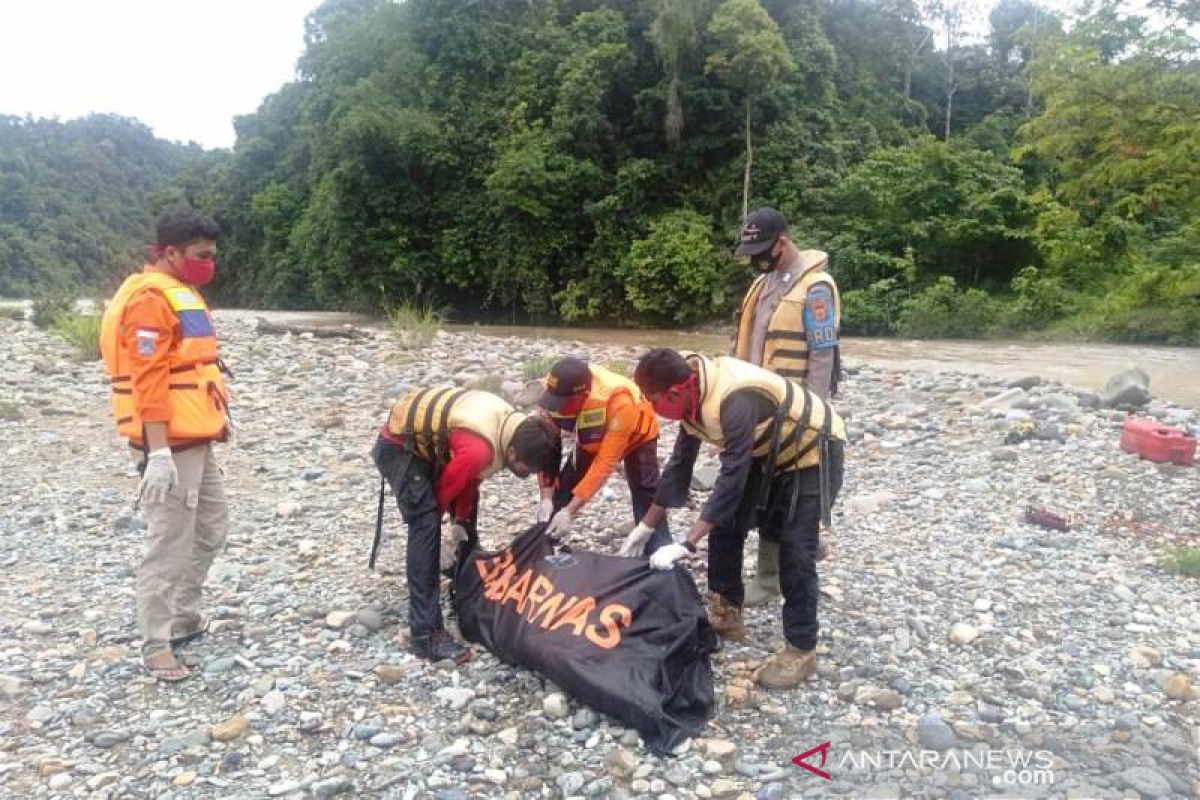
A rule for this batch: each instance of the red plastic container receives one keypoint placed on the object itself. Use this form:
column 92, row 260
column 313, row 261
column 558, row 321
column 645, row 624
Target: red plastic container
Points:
column 1154, row 441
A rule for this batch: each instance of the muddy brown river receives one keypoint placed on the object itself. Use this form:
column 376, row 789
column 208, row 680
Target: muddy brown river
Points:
column 1174, row 371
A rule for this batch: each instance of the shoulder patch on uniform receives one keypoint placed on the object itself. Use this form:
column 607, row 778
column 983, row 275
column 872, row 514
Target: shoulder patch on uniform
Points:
column 820, row 321
column 147, row 341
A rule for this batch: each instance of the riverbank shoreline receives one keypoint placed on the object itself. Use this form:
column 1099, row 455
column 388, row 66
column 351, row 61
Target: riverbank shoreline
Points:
column 1174, row 371
column 948, row 623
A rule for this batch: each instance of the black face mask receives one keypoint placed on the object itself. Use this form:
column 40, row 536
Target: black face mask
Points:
column 766, row 262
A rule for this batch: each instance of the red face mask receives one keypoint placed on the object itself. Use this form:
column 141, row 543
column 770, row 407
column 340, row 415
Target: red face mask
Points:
column 674, row 404
column 564, row 418
column 196, row 271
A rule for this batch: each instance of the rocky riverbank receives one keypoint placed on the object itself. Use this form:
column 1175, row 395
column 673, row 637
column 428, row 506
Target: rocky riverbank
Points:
column 957, row 639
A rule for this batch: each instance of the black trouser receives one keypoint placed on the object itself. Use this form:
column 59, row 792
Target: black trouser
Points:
column 641, row 473
column 411, row 479
column 797, row 539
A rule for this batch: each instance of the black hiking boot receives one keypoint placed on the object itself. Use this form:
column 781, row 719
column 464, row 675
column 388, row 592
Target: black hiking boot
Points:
column 441, row 646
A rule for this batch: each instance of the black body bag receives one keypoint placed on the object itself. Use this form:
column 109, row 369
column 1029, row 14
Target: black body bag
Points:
column 623, row 638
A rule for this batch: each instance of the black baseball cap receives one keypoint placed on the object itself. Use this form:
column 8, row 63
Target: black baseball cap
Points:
column 568, row 377
column 760, row 230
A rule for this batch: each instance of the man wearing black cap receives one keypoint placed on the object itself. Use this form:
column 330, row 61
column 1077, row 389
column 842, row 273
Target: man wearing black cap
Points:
column 612, row 422
column 788, row 324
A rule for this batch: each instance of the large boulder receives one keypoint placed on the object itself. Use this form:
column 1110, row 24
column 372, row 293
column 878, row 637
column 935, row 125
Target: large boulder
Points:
column 1129, row 388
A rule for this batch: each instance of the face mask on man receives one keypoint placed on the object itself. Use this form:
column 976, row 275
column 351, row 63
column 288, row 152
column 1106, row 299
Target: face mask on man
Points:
column 767, row 261
column 566, row 416
column 196, row 271
column 674, row 404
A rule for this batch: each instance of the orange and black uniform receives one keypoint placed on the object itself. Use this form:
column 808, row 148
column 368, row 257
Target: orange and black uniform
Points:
column 616, row 424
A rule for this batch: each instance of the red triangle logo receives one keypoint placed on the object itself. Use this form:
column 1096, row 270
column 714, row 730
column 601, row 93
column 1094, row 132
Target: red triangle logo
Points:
column 800, row 762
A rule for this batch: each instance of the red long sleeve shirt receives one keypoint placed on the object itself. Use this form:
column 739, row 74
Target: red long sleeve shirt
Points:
column 457, row 488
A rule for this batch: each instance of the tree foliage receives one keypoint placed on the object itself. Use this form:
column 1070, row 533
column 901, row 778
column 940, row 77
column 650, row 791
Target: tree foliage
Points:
column 75, row 199
column 589, row 160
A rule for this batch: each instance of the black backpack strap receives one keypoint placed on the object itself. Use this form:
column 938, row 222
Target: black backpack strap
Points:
column 378, row 526
column 823, row 466
column 442, row 451
column 768, row 473
column 411, row 421
column 439, row 443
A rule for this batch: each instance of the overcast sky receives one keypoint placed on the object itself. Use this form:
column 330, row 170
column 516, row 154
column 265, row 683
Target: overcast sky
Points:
column 184, row 67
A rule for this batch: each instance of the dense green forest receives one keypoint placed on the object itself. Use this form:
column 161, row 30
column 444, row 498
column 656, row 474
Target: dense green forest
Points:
column 587, row 160
column 73, row 200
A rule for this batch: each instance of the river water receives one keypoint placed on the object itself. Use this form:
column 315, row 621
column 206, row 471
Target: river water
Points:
column 1174, row 371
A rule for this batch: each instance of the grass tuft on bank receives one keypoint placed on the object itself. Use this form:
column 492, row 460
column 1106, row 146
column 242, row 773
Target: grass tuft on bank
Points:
column 81, row 330
column 416, row 324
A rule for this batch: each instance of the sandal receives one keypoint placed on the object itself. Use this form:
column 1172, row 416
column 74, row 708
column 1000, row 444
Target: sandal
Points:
column 168, row 674
column 201, row 629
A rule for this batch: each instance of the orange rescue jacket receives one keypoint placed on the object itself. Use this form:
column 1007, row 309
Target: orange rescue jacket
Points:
column 163, row 363
column 615, row 420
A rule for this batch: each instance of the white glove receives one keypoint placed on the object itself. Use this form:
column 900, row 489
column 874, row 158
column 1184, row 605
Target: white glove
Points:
column 636, row 540
column 454, row 536
column 545, row 509
column 158, row 477
column 666, row 556
column 560, row 525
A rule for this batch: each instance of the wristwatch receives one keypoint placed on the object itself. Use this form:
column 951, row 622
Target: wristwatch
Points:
column 691, row 548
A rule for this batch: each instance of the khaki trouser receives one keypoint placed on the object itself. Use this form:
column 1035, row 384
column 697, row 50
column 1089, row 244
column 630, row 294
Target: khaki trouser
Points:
column 183, row 536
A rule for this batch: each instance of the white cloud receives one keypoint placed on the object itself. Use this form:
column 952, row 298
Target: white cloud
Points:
column 184, row 68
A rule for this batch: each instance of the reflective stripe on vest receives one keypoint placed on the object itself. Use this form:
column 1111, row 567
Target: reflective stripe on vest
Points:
column 592, row 422
column 720, row 377
column 196, row 388
column 785, row 346
column 424, row 418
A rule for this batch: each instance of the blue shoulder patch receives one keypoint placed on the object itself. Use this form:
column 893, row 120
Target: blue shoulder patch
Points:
column 820, row 322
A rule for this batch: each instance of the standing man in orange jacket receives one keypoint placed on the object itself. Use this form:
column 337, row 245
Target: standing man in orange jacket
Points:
column 611, row 422
column 171, row 404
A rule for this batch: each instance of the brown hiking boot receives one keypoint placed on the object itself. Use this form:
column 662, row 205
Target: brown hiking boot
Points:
column 787, row 668
column 440, row 646
column 726, row 618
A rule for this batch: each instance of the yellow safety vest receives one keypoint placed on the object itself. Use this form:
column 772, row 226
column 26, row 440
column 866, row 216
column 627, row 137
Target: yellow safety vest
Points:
column 785, row 348
column 425, row 417
column 804, row 419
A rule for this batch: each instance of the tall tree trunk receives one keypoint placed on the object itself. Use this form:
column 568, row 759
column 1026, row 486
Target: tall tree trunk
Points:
column 912, row 63
column 951, row 37
column 749, row 158
column 949, row 107
column 673, row 123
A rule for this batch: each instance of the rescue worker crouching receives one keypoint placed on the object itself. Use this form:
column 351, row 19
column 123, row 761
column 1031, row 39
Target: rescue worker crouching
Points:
column 781, row 469
column 436, row 447
column 610, row 422
column 171, row 404
column 788, row 324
